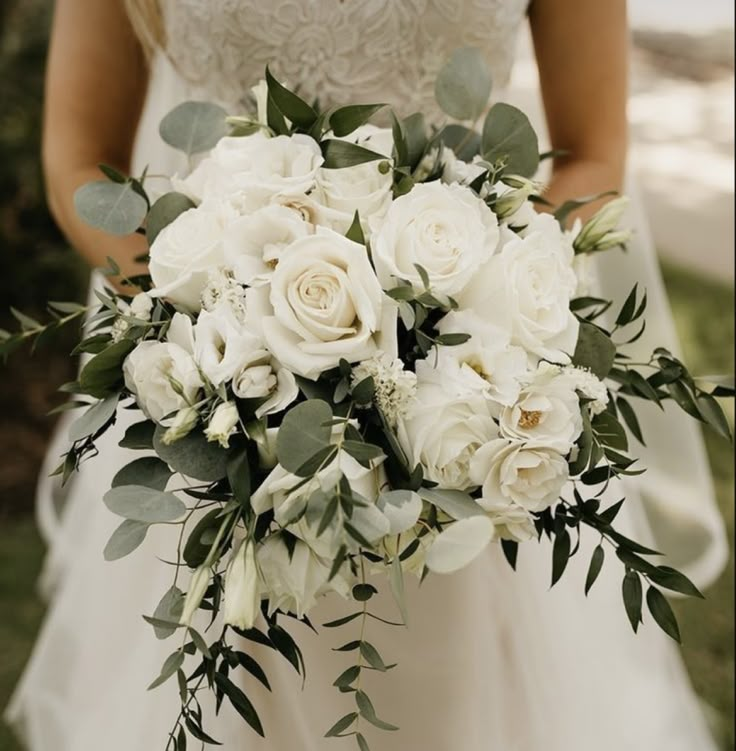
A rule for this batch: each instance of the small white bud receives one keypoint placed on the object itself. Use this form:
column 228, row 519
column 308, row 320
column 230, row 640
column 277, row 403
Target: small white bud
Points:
column 223, row 423
column 184, row 421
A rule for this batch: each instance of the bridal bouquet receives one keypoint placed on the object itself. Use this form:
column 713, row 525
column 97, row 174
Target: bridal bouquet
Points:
column 360, row 351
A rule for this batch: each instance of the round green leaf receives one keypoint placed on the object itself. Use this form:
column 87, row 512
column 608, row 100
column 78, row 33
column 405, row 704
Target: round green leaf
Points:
column 304, row 431
column 143, row 504
column 148, row 471
column 125, row 539
column 164, row 211
column 114, row 208
column 192, row 456
column 463, row 85
column 193, row 127
column 508, row 135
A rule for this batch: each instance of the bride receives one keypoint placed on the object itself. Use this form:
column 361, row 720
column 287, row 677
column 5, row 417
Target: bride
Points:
column 492, row 659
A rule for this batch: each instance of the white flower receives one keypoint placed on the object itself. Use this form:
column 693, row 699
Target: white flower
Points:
column 527, row 288
column 325, row 304
column 223, row 423
column 224, row 291
column 511, row 521
column 395, row 387
column 507, row 471
column 197, row 587
column 600, row 232
column 254, row 243
column 512, row 205
column 547, row 412
column 445, row 229
column 184, row 253
column 293, row 582
column 242, row 597
column 455, row 170
column 260, row 376
column 590, row 386
column 141, row 306
column 487, row 362
column 163, row 377
column 181, row 426
column 584, row 268
column 459, row 544
column 247, row 171
column 442, row 433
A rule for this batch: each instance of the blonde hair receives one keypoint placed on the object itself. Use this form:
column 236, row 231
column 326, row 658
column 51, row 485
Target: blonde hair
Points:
column 147, row 21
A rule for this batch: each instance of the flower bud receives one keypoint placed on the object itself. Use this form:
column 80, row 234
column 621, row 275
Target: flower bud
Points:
column 512, row 199
column 255, row 382
column 141, row 306
column 184, row 421
column 223, row 423
column 197, row 588
column 605, row 221
column 242, row 597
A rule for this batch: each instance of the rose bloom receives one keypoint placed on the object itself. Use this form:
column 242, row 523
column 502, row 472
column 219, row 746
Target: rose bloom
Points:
column 324, row 304
column 445, row 229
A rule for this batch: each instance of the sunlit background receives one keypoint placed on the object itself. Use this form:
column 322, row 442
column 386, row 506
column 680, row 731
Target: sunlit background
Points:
column 682, row 118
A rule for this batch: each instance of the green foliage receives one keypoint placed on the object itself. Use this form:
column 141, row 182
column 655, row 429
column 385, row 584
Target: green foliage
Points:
column 164, row 211
column 304, row 432
column 193, row 455
column 194, row 127
column 463, row 85
column 115, row 208
column 143, row 504
column 509, row 138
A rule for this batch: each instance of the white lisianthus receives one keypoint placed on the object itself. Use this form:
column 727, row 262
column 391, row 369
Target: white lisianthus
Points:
column 395, row 387
column 590, row 386
column 528, row 287
column 442, row 432
column 253, row 244
column 600, row 231
column 223, row 423
column 547, row 412
column 182, row 425
column 294, row 581
column 197, row 587
column 242, row 599
column 184, row 253
column 247, row 171
column 511, row 521
column 487, row 362
column 325, row 304
column 260, row 376
column 459, row 544
column 445, row 229
column 163, row 377
column 529, row 476
column 512, row 205
column 455, row 170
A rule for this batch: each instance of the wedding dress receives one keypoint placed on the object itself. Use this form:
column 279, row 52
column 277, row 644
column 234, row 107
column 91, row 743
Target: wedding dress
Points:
column 492, row 660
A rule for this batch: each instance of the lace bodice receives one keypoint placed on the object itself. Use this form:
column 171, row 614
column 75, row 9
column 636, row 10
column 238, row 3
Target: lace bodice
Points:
column 336, row 50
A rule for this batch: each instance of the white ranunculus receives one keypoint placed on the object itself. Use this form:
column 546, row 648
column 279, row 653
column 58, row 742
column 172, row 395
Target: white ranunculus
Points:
column 223, row 423
column 163, row 377
column 528, row 286
column 293, row 581
column 446, row 229
column 184, row 253
column 260, row 376
column 242, row 599
column 325, row 304
column 547, row 412
column 487, row 362
column 459, row 544
column 511, row 521
column 253, row 244
column 365, row 188
column 442, row 433
column 512, row 471
column 247, row 171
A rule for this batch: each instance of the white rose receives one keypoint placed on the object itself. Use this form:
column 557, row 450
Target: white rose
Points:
column 184, row 253
column 442, row 433
column 163, row 377
column 487, row 362
column 247, row 171
column 223, row 424
column 446, row 229
column 254, row 242
column 325, row 304
column 528, row 287
column 294, row 580
column 507, row 471
column 547, row 412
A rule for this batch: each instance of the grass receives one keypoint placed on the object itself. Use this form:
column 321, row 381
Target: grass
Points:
column 703, row 310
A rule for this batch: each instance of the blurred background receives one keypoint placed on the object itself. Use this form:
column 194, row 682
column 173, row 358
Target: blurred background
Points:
column 682, row 119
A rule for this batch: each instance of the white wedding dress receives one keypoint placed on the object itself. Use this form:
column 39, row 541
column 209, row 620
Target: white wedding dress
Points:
column 492, row 660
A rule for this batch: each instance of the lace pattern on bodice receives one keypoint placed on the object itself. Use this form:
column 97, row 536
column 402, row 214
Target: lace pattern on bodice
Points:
column 336, row 50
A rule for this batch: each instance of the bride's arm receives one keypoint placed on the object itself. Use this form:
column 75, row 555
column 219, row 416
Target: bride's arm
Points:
column 581, row 48
column 95, row 87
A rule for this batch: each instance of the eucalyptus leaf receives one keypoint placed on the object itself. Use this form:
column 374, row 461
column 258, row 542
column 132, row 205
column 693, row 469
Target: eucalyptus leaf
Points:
column 148, row 471
column 103, row 374
column 138, row 436
column 144, row 504
column 192, row 456
column 94, row 418
column 112, row 207
column 463, row 85
column 169, row 609
column 171, row 665
column 303, row 433
column 125, row 539
column 167, row 208
column 463, row 141
column 455, row 503
column 509, row 136
column 194, row 127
